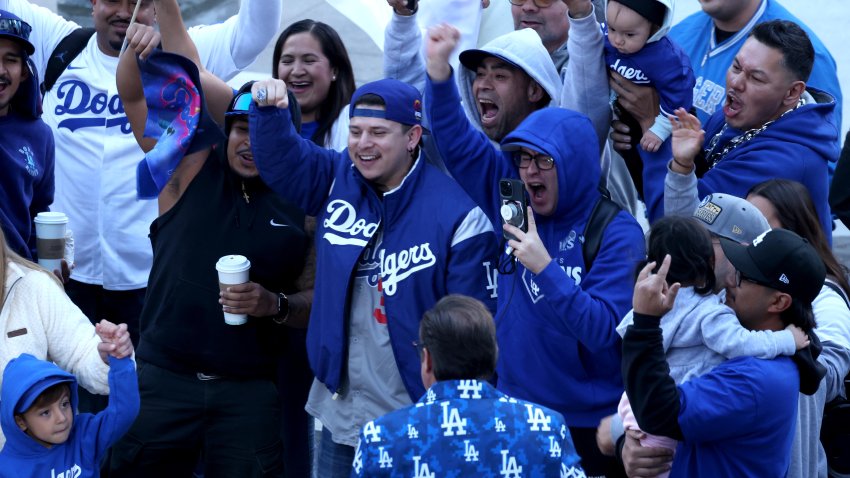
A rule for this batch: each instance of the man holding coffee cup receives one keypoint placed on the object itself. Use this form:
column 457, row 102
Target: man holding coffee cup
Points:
column 26, row 142
column 394, row 236
column 207, row 379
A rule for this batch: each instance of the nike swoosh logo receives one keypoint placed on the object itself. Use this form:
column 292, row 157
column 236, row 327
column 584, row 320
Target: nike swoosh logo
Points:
column 271, row 221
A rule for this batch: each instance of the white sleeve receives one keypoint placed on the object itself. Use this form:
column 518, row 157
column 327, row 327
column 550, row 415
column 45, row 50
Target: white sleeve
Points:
column 71, row 340
column 227, row 48
column 338, row 139
column 48, row 28
column 833, row 330
column 662, row 127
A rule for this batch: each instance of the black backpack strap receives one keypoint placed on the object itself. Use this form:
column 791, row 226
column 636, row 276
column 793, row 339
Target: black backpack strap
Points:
column 603, row 213
column 63, row 55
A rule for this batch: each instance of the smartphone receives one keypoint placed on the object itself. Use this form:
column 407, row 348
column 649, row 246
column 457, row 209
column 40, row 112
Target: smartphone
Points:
column 514, row 205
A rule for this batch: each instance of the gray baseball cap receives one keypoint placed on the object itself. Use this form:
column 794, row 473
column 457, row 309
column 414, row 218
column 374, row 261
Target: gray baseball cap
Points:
column 731, row 217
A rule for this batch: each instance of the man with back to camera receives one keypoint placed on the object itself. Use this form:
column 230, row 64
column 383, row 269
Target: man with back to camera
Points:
column 738, row 419
column 26, row 143
column 452, row 427
column 379, row 264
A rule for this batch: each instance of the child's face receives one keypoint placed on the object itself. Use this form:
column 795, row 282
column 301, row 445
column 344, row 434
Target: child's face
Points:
column 627, row 30
column 48, row 424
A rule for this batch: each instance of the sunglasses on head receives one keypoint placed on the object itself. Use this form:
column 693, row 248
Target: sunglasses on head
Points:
column 15, row 27
column 241, row 104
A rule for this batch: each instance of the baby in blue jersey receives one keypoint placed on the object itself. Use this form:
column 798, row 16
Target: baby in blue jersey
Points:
column 636, row 47
column 700, row 331
column 44, row 437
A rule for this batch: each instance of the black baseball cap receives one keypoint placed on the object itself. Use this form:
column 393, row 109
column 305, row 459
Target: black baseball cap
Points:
column 781, row 260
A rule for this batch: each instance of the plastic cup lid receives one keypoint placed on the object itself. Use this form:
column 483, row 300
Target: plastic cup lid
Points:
column 51, row 218
column 233, row 263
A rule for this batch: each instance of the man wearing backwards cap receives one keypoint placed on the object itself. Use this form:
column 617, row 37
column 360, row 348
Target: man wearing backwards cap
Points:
column 729, row 217
column 738, row 419
column 26, row 143
column 394, row 236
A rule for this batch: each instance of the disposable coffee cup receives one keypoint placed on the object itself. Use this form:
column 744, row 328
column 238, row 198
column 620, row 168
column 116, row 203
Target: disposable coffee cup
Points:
column 233, row 270
column 50, row 239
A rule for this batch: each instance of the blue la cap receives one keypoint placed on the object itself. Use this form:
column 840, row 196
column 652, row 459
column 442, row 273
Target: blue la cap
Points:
column 16, row 29
column 403, row 103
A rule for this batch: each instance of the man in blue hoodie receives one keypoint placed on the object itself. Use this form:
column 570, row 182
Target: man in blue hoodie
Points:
column 26, row 143
column 555, row 318
column 771, row 125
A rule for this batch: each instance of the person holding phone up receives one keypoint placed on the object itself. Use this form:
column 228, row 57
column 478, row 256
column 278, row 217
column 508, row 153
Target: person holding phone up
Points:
column 555, row 319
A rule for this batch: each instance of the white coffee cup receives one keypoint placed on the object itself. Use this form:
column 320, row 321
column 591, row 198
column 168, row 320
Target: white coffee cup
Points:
column 50, row 239
column 233, row 270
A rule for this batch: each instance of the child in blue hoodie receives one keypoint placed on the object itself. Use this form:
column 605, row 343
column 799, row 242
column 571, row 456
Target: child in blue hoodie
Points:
column 44, row 437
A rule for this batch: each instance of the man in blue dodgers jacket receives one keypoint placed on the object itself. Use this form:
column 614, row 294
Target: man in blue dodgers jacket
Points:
column 463, row 425
column 739, row 418
column 772, row 125
column 394, row 236
column 556, row 321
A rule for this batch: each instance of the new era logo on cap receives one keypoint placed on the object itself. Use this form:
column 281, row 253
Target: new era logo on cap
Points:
column 781, row 260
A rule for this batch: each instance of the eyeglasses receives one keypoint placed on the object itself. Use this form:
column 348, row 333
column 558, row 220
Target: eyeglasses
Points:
column 742, row 278
column 15, row 27
column 241, row 104
column 543, row 162
column 537, row 3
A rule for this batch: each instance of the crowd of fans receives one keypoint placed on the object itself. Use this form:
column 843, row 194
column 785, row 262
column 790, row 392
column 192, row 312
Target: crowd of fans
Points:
column 446, row 269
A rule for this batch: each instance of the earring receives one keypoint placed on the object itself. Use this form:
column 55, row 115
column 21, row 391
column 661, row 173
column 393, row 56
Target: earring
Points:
column 333, row 78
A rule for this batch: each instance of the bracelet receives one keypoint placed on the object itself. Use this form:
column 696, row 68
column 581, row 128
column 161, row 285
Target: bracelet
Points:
column 282, row 315
column 688, row 168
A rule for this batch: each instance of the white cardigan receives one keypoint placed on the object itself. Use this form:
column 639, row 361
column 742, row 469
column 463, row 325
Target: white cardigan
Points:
column 38, row 318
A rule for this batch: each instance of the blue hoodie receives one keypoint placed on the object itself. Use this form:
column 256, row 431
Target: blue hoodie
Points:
column 91, row 435
column 558, row 344
column 26, row 160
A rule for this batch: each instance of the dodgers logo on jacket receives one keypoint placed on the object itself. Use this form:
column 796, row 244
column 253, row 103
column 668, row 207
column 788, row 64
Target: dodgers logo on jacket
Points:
column 86, row 110
column 348, row 229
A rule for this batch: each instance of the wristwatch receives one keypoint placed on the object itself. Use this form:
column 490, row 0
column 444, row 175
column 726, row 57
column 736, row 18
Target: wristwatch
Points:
column 282, row 309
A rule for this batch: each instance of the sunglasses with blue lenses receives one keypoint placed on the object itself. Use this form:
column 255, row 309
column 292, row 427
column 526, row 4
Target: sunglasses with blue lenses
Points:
column 241, row 104
column 15, row 27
